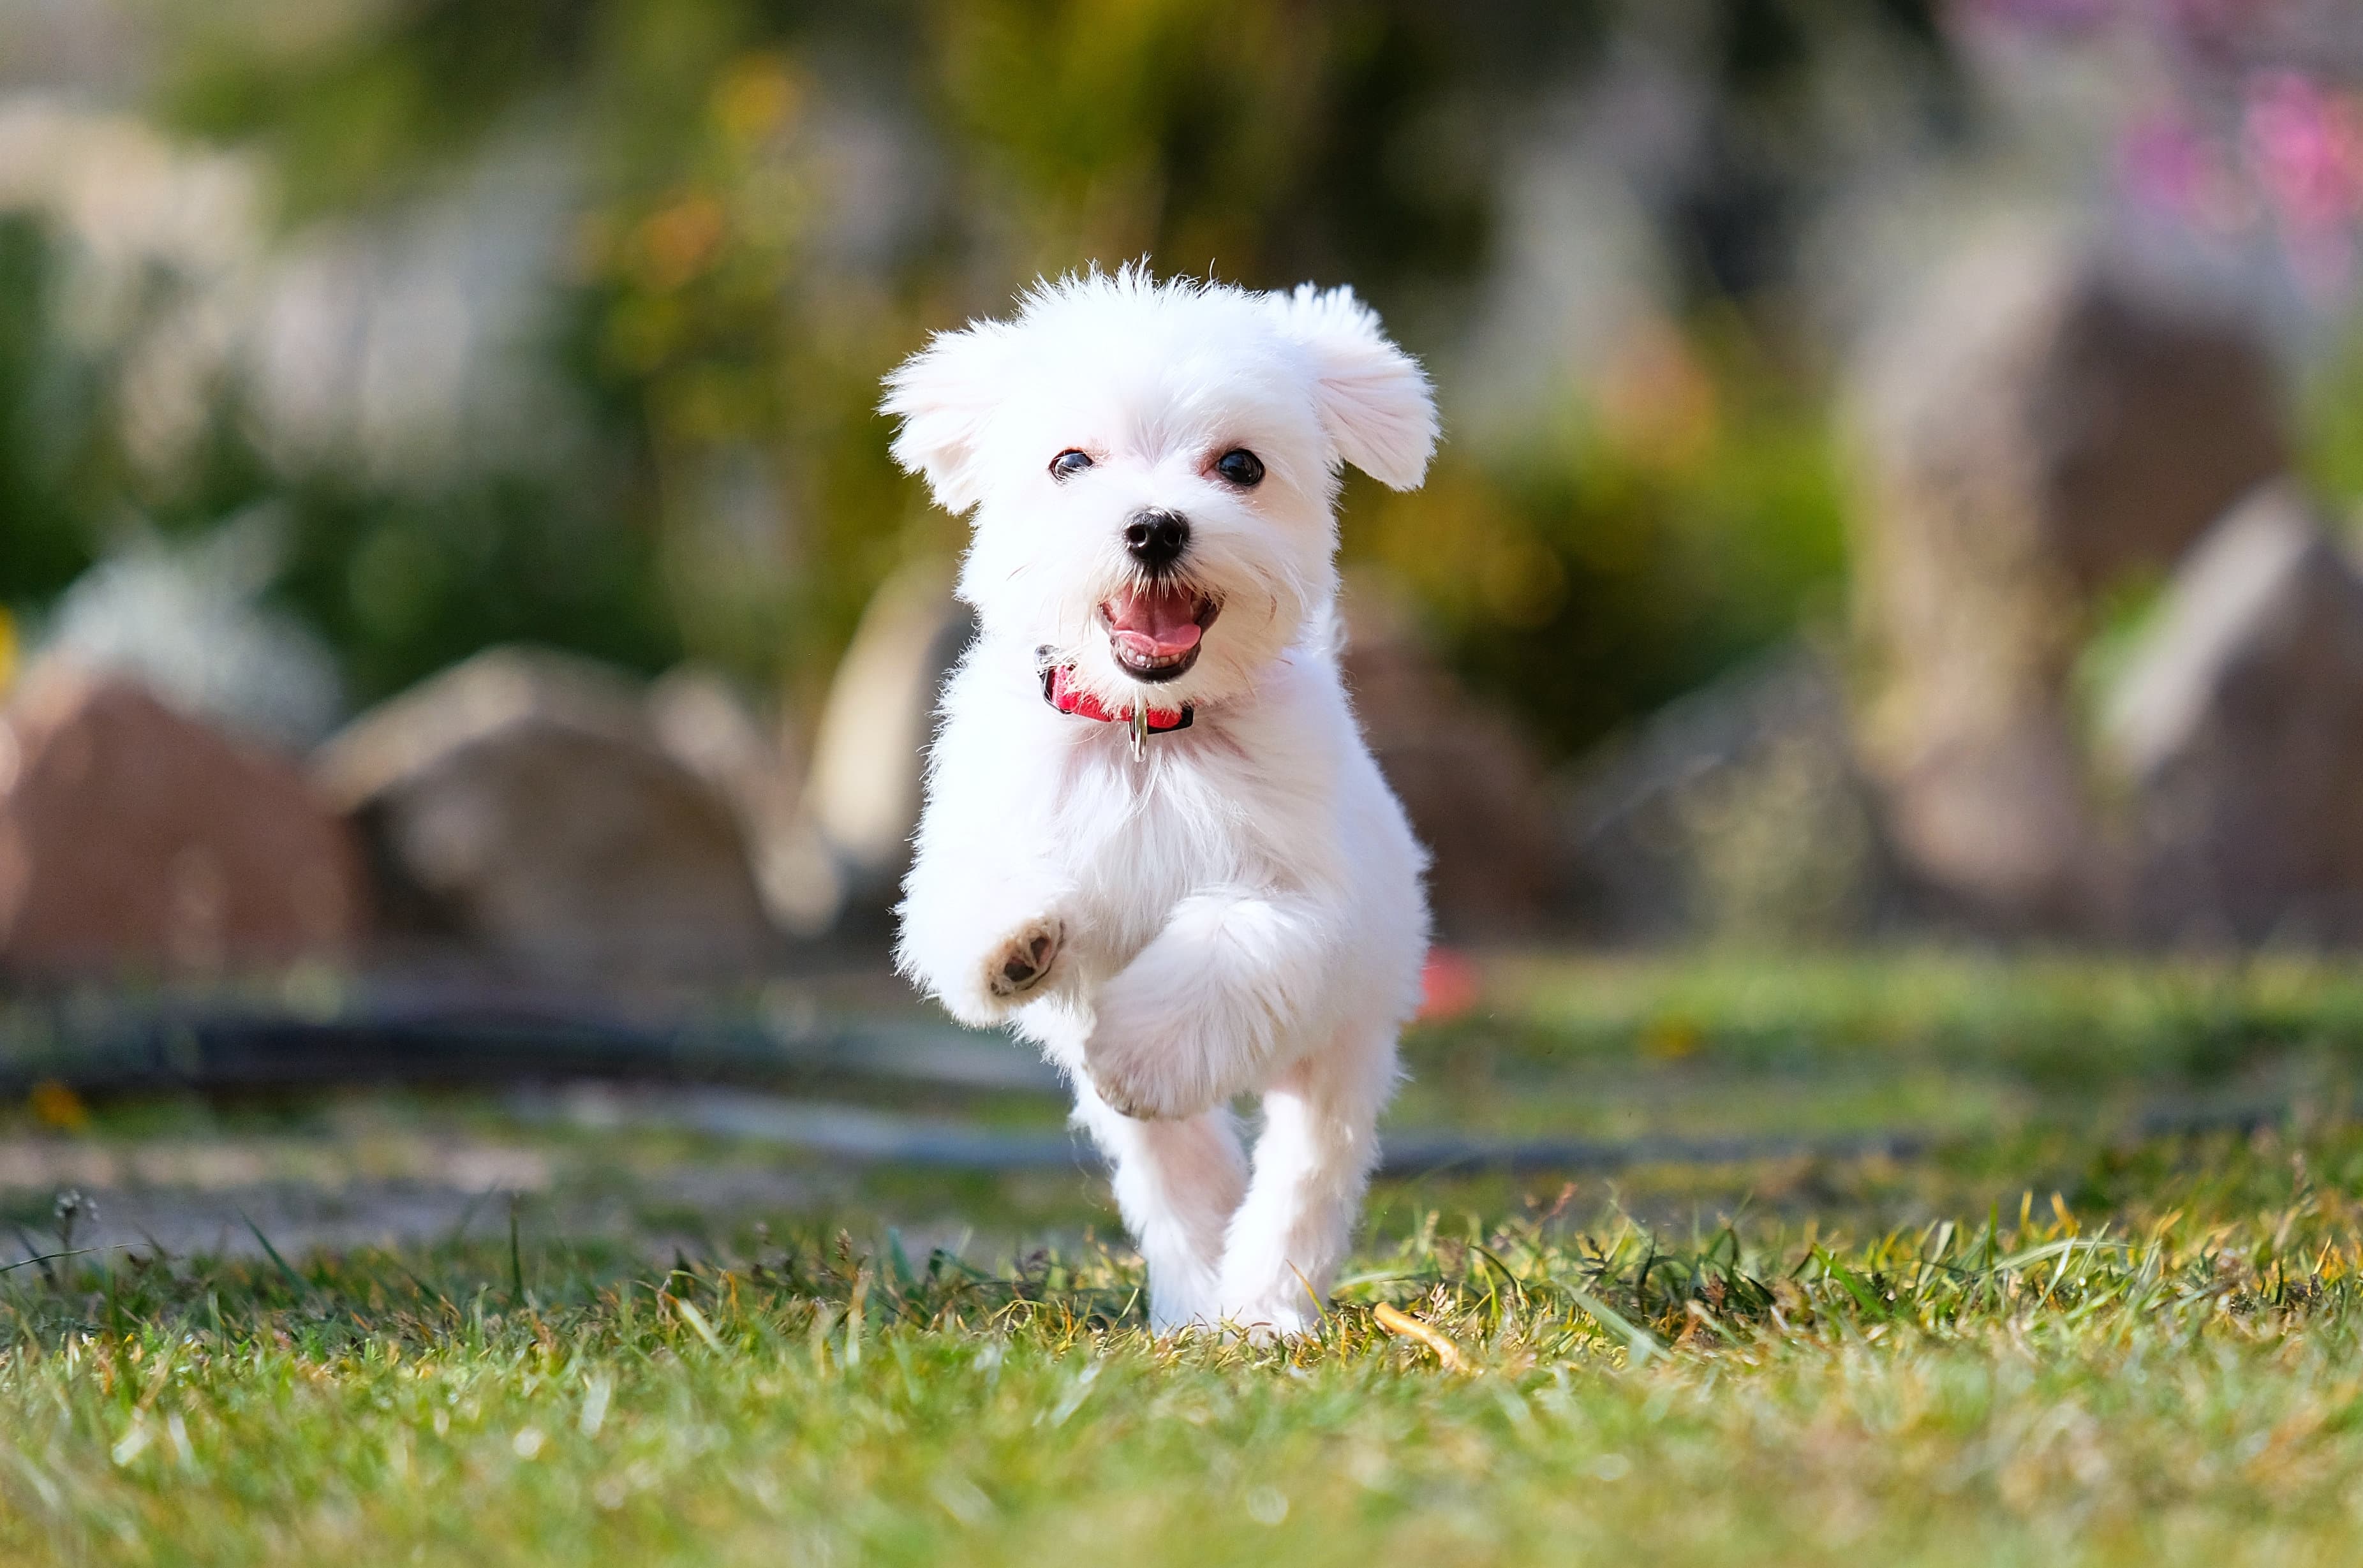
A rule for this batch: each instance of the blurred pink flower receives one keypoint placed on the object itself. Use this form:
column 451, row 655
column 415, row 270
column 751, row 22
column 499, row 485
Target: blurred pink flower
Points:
column 2233, row 143
column 2306, row 146
column 2167, row 165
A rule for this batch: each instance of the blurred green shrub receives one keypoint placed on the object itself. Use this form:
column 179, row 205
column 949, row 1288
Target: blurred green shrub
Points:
column 2330, row 431
column 1684, row 514
column 68, row 480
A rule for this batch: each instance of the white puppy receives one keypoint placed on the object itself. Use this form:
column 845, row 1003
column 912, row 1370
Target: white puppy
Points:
column 1154, row 839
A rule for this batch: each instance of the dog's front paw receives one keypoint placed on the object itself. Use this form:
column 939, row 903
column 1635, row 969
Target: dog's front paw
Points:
column 1019, row 964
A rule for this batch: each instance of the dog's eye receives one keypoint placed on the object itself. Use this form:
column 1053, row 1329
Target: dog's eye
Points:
column 1240, row 467
column 1068, row 464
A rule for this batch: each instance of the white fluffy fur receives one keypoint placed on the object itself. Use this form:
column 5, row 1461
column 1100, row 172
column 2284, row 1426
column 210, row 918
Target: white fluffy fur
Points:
column 1241, row 910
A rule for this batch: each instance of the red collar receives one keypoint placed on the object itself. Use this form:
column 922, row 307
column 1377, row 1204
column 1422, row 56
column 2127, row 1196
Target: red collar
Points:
column 1059, row 691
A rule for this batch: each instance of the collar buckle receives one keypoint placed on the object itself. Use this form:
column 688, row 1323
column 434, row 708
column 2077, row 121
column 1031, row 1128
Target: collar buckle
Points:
column 1143, row 721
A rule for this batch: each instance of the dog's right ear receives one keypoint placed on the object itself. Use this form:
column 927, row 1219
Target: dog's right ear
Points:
column 943, row 394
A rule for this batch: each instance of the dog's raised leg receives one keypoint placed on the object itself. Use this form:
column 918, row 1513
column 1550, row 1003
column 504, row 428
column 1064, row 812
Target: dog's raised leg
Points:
column 1318, row 1147
column 983, row 936
column 1200, row 1012
column 1176, row 1183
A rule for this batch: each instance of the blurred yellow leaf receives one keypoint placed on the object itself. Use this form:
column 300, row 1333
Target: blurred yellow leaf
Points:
column 1670, row 1040
column 756, row 97
column 55, row 1104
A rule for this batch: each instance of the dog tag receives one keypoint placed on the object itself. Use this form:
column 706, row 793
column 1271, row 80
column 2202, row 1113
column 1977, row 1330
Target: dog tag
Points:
column 1140, row 731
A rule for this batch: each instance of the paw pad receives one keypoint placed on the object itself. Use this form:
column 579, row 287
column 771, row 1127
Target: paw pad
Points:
column 1024, row 960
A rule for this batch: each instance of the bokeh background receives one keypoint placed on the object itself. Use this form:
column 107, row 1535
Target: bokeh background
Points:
column 1879, row 660
column 1898, row 463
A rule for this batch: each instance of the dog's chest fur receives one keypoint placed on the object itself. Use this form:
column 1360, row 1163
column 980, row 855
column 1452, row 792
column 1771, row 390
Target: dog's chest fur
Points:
column 1212, row 806
column 1244, row 798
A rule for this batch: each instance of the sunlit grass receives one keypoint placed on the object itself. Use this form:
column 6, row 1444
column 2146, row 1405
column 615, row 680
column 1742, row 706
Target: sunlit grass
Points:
column 2170, row 1374
column 2046, row 1337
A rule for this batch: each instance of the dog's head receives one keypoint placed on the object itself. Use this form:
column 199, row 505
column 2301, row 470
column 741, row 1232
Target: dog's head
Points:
column 1153, row 467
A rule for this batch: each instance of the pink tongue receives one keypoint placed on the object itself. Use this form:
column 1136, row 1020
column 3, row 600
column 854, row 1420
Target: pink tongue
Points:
column 1154, row 623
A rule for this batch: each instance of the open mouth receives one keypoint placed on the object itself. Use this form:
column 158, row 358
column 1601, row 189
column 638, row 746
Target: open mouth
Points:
column 1155, row 629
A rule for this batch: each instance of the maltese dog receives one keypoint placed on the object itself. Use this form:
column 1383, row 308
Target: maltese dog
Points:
column 1154, row 839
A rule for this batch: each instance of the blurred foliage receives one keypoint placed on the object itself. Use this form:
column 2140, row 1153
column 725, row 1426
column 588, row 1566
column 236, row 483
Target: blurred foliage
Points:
column 67, row 479
column 405, row 583
column 1685, row 515
column 2331, row 423
column 772, row 203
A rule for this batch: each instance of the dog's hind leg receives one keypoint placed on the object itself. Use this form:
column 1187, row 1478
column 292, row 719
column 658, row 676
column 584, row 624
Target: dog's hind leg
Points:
column 1176, row 1183
column 1318, row 1147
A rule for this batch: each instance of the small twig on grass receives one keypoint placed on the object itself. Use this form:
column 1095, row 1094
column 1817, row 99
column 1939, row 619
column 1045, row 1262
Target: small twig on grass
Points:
column 35, row 1255
column 1397, row 1321
column 46, row 1259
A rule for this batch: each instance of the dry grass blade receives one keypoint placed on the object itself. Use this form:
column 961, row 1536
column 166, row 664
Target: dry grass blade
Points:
column 696, row 1320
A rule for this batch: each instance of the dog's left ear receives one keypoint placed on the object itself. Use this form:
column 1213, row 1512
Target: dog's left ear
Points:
column 944, row 395
column 1374, row 399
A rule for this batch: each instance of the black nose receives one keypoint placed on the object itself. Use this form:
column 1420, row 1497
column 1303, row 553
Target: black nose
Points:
column 1156, row 539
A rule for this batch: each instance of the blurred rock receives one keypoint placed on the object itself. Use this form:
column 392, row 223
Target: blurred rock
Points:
column 131, row 837
column 1735, row 812
column 1471, row 784
column 2238, row 728
column 869, row 755
column 2040, row 422
column 523, row 803
column 704, row 724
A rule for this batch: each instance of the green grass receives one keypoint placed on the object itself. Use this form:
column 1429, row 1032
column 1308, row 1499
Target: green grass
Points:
column 2179, row 1381
column 2048, row 1341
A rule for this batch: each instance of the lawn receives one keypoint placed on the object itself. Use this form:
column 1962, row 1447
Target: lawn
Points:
column 2106, row 1311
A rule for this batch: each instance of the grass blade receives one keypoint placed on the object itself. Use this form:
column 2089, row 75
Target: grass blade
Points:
column 295, row 1281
